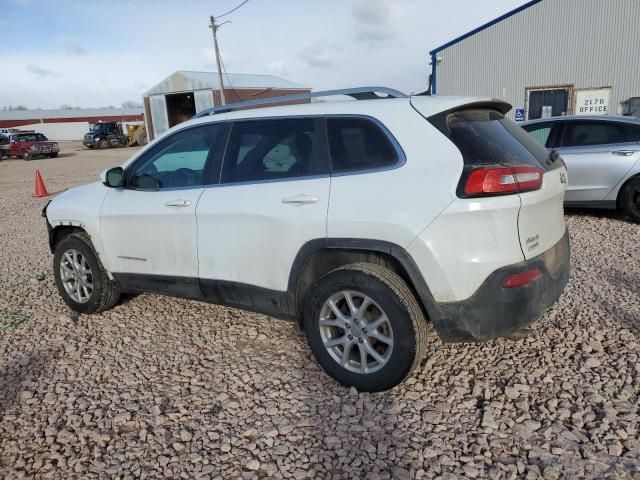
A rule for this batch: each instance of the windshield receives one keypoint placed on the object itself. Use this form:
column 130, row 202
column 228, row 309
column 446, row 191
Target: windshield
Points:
column 97, row 127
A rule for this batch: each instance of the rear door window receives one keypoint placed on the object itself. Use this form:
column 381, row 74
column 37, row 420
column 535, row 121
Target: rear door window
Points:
column 269, row 150
column 632, row 132
column 589, row 133
column 359, row 144
column 487, row 137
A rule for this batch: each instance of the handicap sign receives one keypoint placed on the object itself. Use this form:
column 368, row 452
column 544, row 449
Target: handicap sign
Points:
column 519, row 114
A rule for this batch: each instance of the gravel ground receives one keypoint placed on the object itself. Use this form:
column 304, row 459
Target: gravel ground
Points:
column 162, row 387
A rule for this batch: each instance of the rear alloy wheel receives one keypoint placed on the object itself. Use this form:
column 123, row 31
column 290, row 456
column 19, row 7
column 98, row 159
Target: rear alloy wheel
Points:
column 630, row 199
column 80, row 277
column 365, row 327
column 356, row 332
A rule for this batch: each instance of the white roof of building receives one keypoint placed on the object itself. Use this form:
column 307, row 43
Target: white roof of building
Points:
column 68, row 113
column 186, row 81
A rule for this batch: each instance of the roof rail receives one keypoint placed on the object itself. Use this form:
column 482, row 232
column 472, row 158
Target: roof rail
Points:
column 360, row 93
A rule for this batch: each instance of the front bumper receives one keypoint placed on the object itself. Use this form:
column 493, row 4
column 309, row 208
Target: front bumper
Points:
column 90, row 142
column 44, row 151
column 494, row 311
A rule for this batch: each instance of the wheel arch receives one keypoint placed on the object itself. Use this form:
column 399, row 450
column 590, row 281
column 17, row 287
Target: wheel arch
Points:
column 59, row 232
column 318, row 257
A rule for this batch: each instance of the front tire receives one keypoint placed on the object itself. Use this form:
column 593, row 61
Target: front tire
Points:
column 365, row 326
column 104, row 143
column 80, row 277
column 26, row 156
column 630, row 199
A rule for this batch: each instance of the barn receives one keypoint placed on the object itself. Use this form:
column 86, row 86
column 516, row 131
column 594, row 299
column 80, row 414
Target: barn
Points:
column 184, row 93
column 549, row 58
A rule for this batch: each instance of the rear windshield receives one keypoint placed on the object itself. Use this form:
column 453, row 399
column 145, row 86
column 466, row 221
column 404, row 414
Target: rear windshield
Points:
column 487, row 137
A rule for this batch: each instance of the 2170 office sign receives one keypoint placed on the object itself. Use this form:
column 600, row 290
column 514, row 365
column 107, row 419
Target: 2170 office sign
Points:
column 593, row 101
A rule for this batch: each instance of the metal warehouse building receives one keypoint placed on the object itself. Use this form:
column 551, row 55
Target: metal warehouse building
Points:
column 549, row 58
column 183, row 94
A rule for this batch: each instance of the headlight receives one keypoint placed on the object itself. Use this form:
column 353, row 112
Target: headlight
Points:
column 55, row 145
column 96, row 139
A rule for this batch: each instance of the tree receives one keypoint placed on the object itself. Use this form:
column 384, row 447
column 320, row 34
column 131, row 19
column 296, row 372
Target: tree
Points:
column 131, row 104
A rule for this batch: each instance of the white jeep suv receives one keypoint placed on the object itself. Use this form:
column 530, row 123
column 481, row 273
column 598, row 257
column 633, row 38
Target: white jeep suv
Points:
column 363, row 220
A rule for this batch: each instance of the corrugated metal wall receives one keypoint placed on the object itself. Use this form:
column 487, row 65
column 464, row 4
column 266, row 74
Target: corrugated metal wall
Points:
column 585, row 43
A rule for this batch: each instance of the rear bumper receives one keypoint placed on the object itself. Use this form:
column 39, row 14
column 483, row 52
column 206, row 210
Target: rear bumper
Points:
column 494, row 311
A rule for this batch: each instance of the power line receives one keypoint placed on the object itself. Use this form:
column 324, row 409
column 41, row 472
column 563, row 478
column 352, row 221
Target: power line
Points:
column 224, row 69
column 232, row 10
column 214, row 29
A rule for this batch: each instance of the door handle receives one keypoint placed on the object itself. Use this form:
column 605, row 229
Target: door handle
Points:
column 177, row 203
column 300, row 200
column 624, row 153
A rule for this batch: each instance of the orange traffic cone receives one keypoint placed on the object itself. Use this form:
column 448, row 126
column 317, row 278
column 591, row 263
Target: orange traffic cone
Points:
column 41, row 190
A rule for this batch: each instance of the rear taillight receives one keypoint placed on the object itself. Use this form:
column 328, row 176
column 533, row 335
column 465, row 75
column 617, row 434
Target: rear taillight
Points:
column 522, row 279
column 499, row 180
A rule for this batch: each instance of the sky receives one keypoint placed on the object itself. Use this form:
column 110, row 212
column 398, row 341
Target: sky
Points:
column 103, row 53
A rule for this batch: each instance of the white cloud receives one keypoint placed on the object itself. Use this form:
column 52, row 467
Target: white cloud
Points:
column 70, row 43
column 375, row 20
column 317, row 56
column 40, row 72
column 278, row 68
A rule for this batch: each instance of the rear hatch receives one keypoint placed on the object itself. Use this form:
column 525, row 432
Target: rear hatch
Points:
column 500, row 158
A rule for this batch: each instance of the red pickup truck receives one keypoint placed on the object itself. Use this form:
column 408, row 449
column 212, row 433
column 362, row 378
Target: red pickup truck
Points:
column 30, row 144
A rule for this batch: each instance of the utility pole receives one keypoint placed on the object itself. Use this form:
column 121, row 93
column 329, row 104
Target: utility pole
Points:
column 214, row 29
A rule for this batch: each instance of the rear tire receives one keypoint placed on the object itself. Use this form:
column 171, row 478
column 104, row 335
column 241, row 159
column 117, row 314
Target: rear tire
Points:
column 85, row 287
column 630, row 199
column 379, row 355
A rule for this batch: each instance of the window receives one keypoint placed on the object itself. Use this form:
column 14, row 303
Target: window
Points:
column 269, row 150
column 178, row 161
column 631, row 132
column 41, row 137
column 582, row 134
column 30, row 137
column 358, row 144
column 487, row 137
column 541, row 132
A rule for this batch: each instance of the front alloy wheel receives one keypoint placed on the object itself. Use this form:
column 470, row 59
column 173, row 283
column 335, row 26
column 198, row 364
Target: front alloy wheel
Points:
column 76, row 276
column 80, row 277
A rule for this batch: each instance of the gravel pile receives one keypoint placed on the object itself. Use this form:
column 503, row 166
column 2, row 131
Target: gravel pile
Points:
column 162, row 387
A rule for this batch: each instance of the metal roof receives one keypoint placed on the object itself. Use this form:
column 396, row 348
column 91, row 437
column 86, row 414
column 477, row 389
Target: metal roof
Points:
column 485, row 26
column 183, row 80
column 68, row 113
column 601, row 118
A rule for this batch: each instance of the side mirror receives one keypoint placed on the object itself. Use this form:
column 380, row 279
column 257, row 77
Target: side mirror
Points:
column 113, row 178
